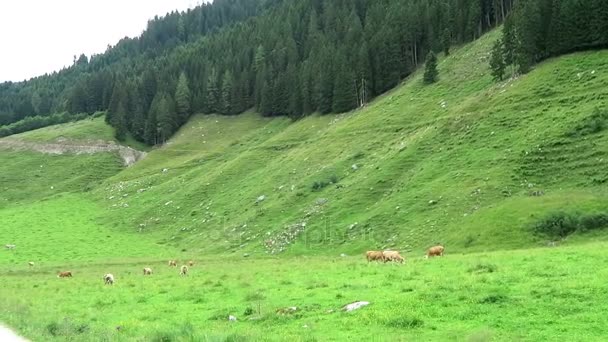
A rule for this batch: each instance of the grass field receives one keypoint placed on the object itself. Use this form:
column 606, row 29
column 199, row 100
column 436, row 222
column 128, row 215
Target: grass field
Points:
column 468, row 162
column 545, row 294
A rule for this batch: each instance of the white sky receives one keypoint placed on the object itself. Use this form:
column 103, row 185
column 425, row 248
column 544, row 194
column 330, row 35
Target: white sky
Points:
column 40, row 36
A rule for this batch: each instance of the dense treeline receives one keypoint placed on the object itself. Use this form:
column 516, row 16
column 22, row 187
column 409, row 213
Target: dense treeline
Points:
column 281, row 57
column 39, row 121
column 539, row 29
column 87, row 85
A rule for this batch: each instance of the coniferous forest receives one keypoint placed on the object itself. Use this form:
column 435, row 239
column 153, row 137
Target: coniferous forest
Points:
column 288, row 57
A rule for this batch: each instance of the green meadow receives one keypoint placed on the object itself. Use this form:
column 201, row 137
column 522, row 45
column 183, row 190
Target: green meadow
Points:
column 509, row 176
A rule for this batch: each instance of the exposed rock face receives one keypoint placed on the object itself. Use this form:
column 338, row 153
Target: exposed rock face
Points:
column 129, row 156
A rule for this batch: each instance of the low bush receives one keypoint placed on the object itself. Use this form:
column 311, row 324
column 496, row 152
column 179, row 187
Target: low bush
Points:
column 595, row 123
column 562, row 224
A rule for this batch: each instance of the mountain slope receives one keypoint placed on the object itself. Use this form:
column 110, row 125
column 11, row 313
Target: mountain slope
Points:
column 458, row 162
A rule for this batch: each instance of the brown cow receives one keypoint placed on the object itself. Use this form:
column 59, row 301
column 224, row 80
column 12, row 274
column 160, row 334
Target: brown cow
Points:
column 191, row 263
column 435, row 251
column 183, row 270
column 66, row 274
column 147, row 271
column 172, row 263
column 393, row 256
column 374, row 256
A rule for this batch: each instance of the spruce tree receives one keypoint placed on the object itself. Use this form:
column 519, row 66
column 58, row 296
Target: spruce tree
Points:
column 497, row 61
column 213, row 93
column 226, row 93
column 182, row 99
column 430, row 68
column 345, row 91
column 446, row 41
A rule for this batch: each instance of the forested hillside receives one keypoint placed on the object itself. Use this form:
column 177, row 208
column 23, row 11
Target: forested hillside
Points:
column 290, row 57
column 283, row 57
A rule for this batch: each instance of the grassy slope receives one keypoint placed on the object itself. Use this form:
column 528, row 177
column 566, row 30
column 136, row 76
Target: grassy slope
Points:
column 93, row 129
column 475, row 147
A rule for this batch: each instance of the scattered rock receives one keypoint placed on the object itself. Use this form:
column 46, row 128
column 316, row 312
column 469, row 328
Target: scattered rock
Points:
column 432, row 202
column 343, row 255
column 165, row 170
column 355, row 167
column 355, row 306
column 260, row 199
column 232, row 318
column 245, row 255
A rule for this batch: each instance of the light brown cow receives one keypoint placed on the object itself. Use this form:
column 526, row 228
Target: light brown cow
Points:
column 66, row 274
column 147, row 271
column 435, row 251
column 374, row 256
column 172, row 263
column 191, row 263
column 183, row 270
column 393, row 256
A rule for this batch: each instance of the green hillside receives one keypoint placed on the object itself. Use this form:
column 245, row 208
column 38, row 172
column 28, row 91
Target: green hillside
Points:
column 458, row 162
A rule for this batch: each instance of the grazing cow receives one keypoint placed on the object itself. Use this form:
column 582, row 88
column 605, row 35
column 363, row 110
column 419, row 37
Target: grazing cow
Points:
column 147, row 271
column 392, row 256
column 190, row 263
column 374, row 256
column 31, row 263
column 108, row 279
column 435, row 251
column 66, row 274
column 183, row 270
column 10, row 246
column 172, row 263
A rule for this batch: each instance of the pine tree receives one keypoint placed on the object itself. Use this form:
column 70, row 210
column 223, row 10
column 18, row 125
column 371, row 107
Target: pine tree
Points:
column 213, row 93
column 497, row 61
column 509, row 41
column 120, row 122
column 166, row 119
column 446, row 41
column 226, row 94
column 182, row 99
column 430, row 71
column 345, row 91
column 151, row 129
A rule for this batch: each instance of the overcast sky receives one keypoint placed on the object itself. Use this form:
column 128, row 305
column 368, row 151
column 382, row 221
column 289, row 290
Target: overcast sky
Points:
column 40, row 36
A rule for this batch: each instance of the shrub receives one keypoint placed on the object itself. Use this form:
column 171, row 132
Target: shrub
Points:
column 493, row 299
column 558, row 224
column 404, row 322
column 561, row 224
column 483, row 268
column 595, row 123
column 320, row 185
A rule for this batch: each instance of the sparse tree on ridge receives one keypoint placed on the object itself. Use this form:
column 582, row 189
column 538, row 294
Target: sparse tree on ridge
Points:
column 430, row 68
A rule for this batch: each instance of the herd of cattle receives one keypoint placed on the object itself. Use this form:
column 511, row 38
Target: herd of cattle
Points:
column 108, row 278
column 394, row 256
column 384, row 256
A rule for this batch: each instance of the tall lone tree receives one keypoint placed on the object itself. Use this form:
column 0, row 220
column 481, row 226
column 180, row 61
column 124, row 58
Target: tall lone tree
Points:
column 430, row 71
column 497, row 61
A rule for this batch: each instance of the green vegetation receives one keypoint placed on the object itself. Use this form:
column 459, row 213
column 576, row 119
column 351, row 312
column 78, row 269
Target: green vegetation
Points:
column 536, row 294
column 472, row 164
column 281, row 57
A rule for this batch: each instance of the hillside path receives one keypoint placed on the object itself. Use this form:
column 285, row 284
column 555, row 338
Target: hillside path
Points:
column 7, row 335
column 129, row 155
